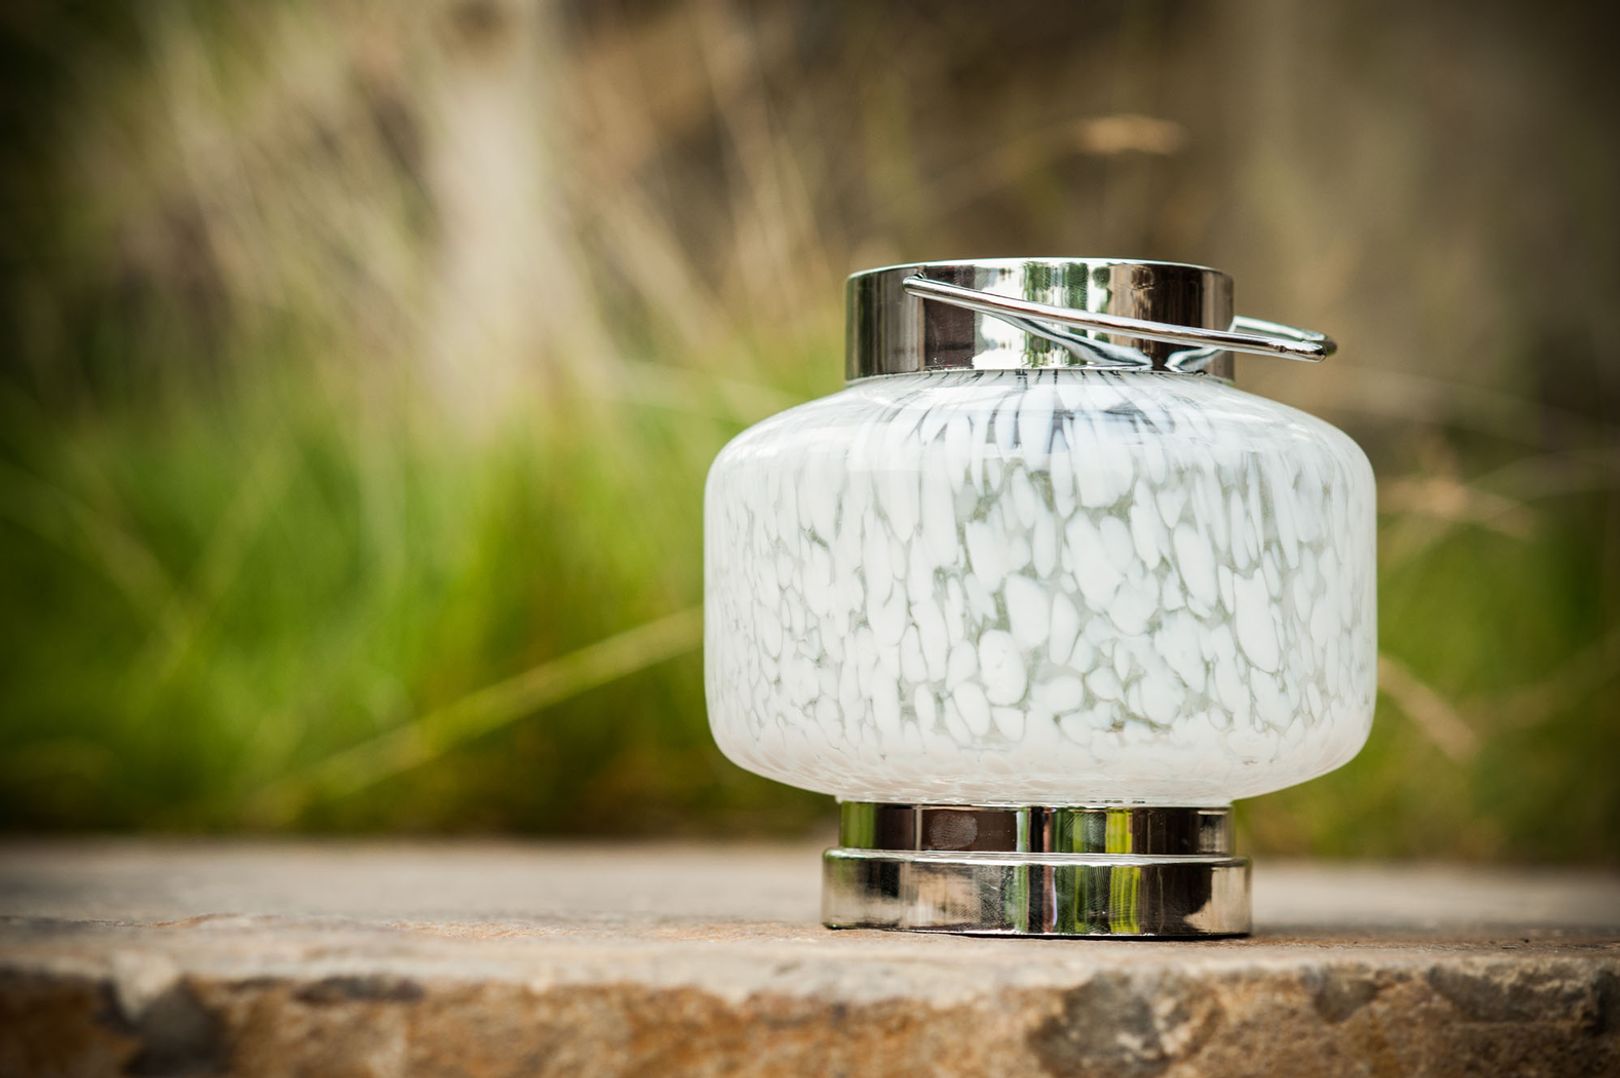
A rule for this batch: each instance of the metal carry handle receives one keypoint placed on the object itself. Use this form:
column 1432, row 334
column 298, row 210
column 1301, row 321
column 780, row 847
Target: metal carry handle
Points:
column 1251, row 335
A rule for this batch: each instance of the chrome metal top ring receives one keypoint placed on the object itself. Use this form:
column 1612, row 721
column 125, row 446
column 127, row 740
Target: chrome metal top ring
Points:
column 1033, row 314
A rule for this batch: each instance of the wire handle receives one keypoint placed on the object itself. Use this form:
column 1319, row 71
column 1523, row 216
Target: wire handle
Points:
column 1250, row 335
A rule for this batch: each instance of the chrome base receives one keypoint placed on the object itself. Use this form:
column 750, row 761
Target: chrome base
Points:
column 1072, row 871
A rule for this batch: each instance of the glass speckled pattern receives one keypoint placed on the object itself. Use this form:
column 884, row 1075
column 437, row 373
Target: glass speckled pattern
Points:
column 1044, row 588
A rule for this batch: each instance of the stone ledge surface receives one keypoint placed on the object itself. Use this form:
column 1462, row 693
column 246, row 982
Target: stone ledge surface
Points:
column 382, row 959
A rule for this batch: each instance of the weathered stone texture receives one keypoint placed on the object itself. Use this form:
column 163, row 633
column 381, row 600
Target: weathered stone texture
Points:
column 327, row 960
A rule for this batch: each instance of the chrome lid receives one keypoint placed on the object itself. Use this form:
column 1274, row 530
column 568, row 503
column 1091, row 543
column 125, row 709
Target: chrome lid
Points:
column 1039, row 313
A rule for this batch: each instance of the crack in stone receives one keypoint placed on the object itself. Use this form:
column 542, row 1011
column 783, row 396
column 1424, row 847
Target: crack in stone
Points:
column 375, row 988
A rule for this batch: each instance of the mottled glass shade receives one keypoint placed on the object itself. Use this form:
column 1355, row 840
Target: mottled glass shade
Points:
column 1054, row 587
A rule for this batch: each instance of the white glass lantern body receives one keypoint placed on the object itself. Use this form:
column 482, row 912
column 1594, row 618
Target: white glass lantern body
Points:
column 1040, row 587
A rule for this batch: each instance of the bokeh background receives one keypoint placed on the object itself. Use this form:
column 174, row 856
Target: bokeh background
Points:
column 362, row 362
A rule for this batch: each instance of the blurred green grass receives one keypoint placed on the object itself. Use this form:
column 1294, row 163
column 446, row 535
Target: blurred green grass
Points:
column 222, row 594
column 368, row 360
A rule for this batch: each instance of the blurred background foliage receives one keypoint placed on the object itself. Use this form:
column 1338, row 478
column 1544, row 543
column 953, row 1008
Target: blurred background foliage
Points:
column 363, row 361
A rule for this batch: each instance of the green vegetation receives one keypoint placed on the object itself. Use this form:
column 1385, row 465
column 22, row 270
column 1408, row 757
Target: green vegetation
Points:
column 215, row 598
column 365, row 365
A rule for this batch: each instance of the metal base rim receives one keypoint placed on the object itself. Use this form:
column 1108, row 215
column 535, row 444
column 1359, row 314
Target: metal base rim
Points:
column 1131, row 876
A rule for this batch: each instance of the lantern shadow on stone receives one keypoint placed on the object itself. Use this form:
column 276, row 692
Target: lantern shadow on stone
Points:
column 1038, row 595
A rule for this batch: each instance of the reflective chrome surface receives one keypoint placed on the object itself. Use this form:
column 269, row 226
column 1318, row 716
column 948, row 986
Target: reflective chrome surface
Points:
column 1285, row 341
column 1026, row 314
column 1102, row 871
column 1036, row 828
